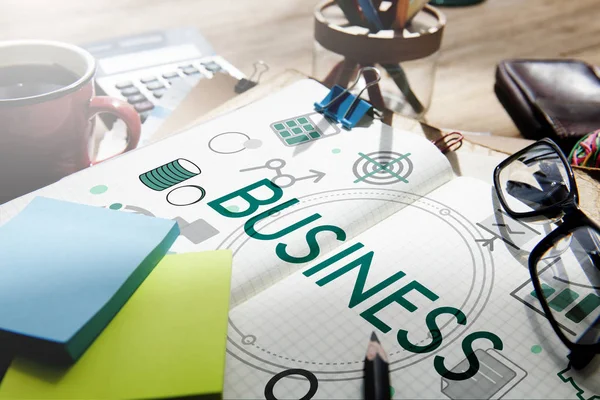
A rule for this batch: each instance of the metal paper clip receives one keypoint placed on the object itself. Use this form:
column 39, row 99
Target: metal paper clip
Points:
column 245, row 84
column 450, row 142
column 344, row 107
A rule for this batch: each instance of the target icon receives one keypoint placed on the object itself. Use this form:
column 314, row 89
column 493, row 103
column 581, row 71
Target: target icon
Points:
column 382, row 168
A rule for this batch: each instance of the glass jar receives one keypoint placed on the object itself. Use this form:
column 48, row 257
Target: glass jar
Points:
column 406, row 60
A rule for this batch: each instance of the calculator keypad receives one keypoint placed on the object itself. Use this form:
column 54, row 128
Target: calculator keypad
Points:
column 155, row 85
column 145, row 88
column 124, row 84
column 136, row 98
column 170, row 75
column 143, row 106
column 190, row 70
column 148, row 79
column 130, row 91
column 159, row 93
column 212, row 66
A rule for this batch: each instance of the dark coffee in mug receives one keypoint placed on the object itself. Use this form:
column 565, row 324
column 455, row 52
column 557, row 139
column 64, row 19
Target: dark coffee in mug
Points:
column 47, row 114
column 18, row 81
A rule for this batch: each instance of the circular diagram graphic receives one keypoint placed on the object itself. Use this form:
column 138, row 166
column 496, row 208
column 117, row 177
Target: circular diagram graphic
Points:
column 263, row 349
column 382, row 168
column 232, row 142
column 186, row 195
column 310, row 377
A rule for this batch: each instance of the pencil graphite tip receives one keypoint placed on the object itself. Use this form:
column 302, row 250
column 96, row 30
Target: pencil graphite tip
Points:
column 375, row 349
column 374, row 337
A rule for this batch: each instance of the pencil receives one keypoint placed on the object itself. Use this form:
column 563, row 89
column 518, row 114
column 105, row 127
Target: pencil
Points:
column 377, row 376
column 371, row 14
column 351, row 12
column 401, row 14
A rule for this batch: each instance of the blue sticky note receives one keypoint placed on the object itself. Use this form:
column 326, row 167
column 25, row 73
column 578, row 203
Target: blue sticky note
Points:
column 66, row 269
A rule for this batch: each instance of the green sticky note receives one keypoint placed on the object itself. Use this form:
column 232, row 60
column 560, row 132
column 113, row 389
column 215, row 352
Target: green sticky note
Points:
column 167, row 341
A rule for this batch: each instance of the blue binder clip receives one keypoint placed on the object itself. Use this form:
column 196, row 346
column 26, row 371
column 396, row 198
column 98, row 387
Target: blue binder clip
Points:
column 342, row 106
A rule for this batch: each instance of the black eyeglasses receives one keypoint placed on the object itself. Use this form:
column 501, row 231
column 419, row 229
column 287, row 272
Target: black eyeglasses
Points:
column 537, row 183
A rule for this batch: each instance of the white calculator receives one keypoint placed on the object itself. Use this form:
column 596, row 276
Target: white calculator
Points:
column 140, row 68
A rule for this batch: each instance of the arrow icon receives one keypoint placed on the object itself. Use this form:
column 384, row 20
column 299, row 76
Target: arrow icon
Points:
column 317, row 174
column 487, row 242
column 281, row 179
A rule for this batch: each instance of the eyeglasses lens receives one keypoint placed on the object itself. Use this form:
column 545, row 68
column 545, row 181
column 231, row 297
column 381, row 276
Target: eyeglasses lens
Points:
column 569, row 274
column 536, row 180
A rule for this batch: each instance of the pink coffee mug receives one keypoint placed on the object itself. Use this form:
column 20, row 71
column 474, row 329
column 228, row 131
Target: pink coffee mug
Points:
column 47, row 136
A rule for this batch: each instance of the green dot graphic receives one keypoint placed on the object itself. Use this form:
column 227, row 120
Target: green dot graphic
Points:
column 336, row 151
column 536, row 349
column 392, row 391
column 233, row 208
column 116, row 206
column 99, row 189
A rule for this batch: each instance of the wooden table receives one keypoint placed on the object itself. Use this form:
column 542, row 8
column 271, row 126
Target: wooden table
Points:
column 280, row 32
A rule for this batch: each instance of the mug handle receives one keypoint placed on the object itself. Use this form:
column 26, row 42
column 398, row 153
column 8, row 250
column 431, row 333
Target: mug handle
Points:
column 124, row 111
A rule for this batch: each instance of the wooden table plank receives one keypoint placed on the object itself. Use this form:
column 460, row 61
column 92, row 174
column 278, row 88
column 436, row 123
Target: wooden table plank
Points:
column 280, row 32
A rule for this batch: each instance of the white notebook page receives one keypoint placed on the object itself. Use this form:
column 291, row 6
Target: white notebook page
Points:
column 307, row 327
column 244, row 147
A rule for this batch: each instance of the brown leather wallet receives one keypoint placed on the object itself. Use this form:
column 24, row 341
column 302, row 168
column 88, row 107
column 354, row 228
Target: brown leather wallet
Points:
column 559, row 99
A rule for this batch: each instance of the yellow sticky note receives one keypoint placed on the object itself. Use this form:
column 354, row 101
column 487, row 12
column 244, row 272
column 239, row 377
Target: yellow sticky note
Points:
column 168, row 340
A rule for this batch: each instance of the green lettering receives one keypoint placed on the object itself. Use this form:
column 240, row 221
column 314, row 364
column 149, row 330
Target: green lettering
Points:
column 251, row 231
column 313, row 245
column 324, row 264
column 244, row 193
column 467, row 348
column 396, row 297
column 436, row 334
column 358, row 293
